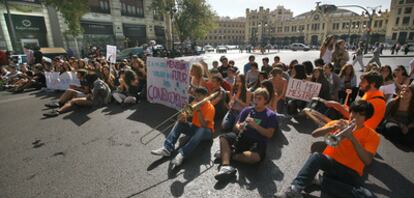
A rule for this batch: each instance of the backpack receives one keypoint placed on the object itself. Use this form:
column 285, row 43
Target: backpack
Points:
column 101, row 93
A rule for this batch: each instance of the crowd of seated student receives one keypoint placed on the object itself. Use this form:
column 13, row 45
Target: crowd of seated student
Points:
column 248, row 104
column 99, row 81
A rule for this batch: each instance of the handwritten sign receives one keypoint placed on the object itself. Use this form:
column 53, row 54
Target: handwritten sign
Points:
column 111, row 53
column 57, row 81
column 167, row 82
column 302, row 90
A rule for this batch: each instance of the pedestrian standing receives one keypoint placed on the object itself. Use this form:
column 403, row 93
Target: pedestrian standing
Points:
column 381, row 48
column 359, row 56
column 393, row 48
column 406, row 49
column 340, row 56
column 376, row 57
column 397, row 48
column 327, row 49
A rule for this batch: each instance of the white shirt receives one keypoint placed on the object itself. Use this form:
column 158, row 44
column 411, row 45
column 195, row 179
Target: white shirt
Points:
column 327, row 56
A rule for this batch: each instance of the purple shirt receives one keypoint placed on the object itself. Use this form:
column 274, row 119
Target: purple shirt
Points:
column 266, row 119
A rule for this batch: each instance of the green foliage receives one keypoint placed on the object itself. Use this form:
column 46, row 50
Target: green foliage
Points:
column 193, row 19
column 72, row 11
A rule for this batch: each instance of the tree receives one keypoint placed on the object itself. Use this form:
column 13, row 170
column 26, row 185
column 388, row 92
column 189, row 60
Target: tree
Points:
column 193, row 19
column 72, row 11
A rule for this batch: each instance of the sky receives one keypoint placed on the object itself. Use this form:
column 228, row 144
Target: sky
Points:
column 237, row 8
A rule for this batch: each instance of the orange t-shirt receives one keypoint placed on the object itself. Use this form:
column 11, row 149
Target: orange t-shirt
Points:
column 345, row 154
column 379, row 108
column 208, row 111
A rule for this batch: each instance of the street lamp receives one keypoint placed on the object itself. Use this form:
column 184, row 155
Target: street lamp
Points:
column 263, row 28
column 370, row 18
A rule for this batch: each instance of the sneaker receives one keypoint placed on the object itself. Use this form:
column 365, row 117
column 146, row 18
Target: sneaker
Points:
column 178, row 160
column 117, row 98
column 288, row 193
column 52, row 113
column 53, row 105
column 225, row 173
column 161, row 151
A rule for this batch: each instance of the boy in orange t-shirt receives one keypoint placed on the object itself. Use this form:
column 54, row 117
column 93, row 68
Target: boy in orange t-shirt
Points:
column 343, row 164
column 200, row 128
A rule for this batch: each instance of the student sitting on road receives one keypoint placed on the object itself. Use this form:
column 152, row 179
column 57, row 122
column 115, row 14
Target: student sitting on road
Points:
column 37, row 81
column 200, row 128
column 80, row 96
column 239, row 99
column 280, row 87
column 370, row 83
column 220, row 102
column 252, row 75
column 128, row 89
column 86, row 84
column 398, row 125
column 255, row 126
column 262, row 76
column 231, row 76
column 342, row 165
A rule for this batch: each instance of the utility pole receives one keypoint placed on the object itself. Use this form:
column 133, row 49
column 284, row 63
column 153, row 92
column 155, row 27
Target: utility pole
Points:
column 370, row 18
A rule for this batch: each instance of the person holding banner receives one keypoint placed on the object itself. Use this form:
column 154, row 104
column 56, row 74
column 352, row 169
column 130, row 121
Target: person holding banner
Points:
column 201, row 128
column 297, row 72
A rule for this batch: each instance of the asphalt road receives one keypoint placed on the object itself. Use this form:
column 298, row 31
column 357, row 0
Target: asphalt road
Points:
column 105, row 152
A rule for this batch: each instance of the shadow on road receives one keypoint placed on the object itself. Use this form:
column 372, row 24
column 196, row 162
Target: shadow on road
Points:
column 396, row 183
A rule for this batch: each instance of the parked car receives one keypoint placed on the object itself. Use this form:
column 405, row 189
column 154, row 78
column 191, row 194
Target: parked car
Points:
column 127, row 53
column 198, row 50
column 299, row 46
column 221, row 49
column 208, row 48
column 19, row 58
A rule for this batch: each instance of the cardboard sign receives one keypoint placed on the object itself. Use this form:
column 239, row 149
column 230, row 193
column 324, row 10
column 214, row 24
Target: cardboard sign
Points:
column 111, row 53
column 57, row 81
column 168, row 81
column 302, row 89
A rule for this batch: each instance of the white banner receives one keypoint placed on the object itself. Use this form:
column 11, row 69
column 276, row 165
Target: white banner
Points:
column 57, row 81
column 111, row 53
column 168, row 81
column 302, row 89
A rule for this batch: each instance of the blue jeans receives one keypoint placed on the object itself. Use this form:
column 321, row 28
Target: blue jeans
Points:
column 195, row 134
column 338, row 180
column 229, row 120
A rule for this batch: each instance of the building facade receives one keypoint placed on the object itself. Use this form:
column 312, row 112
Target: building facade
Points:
column 281, row 28
column 228, row 32
column 401, row 22
column 124, row 23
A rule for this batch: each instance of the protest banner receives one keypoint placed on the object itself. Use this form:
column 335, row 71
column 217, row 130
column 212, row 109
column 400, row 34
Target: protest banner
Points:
column 167, row 82
column 57, row 81
column 302, row 89
column 111, row 53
